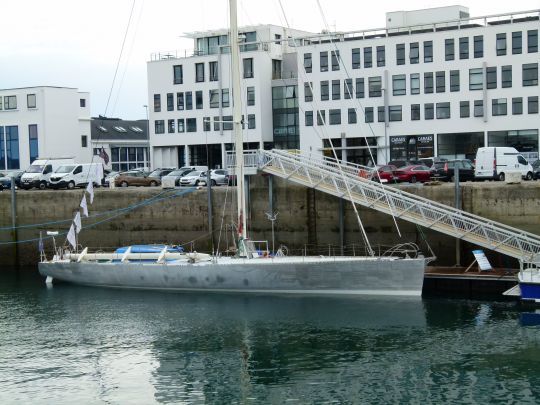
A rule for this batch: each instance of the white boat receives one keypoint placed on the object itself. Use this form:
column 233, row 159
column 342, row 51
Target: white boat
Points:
column 249, row 270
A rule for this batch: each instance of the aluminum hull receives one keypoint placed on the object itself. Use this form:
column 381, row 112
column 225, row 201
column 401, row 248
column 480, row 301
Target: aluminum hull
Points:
column 297, row 275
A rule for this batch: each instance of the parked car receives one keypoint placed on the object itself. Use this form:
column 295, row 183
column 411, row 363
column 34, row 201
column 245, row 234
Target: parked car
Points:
column 536, row 169
column 110, row 177
column 5, row 178
column 413, row 173
column 178, row 174
column 218, row 177
column 136, row 178
column 430, row 161
column 385, row 174
column 159, row 173
column 492, row 163
column 193, row 178
column 444, row 171
column 404, row 163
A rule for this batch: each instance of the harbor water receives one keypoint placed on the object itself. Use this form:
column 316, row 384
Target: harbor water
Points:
column 71, row 344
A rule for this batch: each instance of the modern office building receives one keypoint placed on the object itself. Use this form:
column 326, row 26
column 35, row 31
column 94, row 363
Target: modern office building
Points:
column 43, row 121
column 122, row 144
column 431, row 82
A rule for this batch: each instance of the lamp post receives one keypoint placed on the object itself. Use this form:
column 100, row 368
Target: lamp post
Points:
column 147, row 134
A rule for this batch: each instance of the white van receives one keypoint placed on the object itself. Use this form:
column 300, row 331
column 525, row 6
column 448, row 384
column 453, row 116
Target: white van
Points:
column 494, row 162
column 39, row 172
column 71, row 176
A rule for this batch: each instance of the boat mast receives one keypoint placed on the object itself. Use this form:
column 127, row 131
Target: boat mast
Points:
column 237, row 121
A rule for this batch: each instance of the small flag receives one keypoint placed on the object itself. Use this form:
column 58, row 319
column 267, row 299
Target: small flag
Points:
column 71, row 237
column 90, row 190
column 84, row 206
column 77, row 222
column 103, row 155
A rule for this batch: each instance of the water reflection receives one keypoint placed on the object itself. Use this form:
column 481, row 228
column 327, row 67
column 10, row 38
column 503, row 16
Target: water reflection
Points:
column 119, row 346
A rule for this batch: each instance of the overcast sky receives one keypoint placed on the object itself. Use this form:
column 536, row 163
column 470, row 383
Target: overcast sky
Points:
column 76, row 43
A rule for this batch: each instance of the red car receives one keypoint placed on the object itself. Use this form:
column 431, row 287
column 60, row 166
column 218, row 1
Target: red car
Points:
column 386, row 174
column 413, row 173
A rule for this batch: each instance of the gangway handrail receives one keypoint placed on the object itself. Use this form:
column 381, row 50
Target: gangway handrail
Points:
column 317, row 173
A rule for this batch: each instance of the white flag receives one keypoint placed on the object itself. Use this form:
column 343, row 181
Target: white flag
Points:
column 77, row 222
column 71, row 237
column 84, row 206
column 90, row 190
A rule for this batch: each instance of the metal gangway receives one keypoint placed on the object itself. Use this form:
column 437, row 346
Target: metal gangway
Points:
column 342, row 179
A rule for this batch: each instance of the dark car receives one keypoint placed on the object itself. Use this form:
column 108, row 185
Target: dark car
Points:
column 429, row 162
column 159, row 173
column 413, row 173
column 536, row 169
column 5, row 178
column 444, row 171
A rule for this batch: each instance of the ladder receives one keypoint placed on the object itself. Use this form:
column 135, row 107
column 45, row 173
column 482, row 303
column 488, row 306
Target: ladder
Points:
column 336, row 177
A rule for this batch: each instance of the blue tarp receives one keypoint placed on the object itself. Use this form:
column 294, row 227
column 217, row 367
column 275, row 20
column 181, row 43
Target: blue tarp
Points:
column 150, row 249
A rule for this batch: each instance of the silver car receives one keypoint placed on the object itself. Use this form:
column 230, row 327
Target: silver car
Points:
column 218, row 177
column 177, row 175
column 193, row 178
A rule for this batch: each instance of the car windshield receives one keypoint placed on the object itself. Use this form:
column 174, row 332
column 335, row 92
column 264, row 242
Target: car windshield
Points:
column 178, row 173
column 65, row 169
column 35, row 169
column 536, row 164
column 195, row 173
column 113, row 174
column 155, row 173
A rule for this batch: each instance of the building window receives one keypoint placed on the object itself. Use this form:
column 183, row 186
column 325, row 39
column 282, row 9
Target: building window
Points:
column 82, row 103
column 479, row 46
column 530, row 74
column 498, row 106
column 157, row 102
column 309, row 118
column 532, row 105
column 178, row 74
column 308, row 63
column 159, row 126
column 360, row 88
column 214, row 98
column 336, row 90
column 225, row 101
column 443, row 111
column 428, row 111
column 217, row 123
column 213, row 71
column 368, row 59
column 476, row 79
column 428, row 51
column 454, row 80
column 251, row 121
column 325, row 90
column 10, row 102
column 464, row 48
column 464, row 109
column 170, row 102
column 180, row 101
column 181, row 127
column 33, row 141
column 11, row 141
column 228, row 123
column 355, row 56
column 375, row 86
column 517, row 105
column 348, row 89
column 191, row 125
column 198, row 100
column 501, row 44
column 428, row 82
column 206, row 124
column 276, row 69
column 478, row 108
column 381, row 56
column 248, row 68
column 440, row 81
column 394, row 113
column 189, row 100
column 400, row 54
column 415, row 83
column 449, row 49
column 399, row 85
column 324, row 61
column 251, row 96
column 126, row 158
column 506, row 76
column 84, row 141
column 308, row 94
column 532, row 41
column 415, row 112
column 414, row 53
column 31, row 101
column 351, row 114
column 491, row 77
column 170, row 126
column 334, row 117
column 368, row 115
column 335, row 60
column 199, row 72
column 380, row 114
column 517, row 43
column 321, row 117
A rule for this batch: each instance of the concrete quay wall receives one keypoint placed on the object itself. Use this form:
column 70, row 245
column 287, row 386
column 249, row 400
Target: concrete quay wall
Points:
column 307, row 219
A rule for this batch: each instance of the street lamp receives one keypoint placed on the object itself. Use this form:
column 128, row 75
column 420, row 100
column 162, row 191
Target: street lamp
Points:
column 147, row 135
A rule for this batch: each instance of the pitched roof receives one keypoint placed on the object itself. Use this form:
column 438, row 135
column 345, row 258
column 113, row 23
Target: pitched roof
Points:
column 104, row 128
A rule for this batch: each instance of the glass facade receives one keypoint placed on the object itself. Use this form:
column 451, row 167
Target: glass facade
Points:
column 285, row 117
column 9, row 147
column 411, row 147
column 459, row 145
column 129, row 157
column 525, row 141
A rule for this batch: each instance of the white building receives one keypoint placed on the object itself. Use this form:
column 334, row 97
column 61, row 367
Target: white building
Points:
column 190, row 100
column 445, row 84
column 43, row 121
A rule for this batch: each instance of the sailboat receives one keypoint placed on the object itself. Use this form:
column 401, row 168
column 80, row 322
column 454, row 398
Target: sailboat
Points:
column 249, row 270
